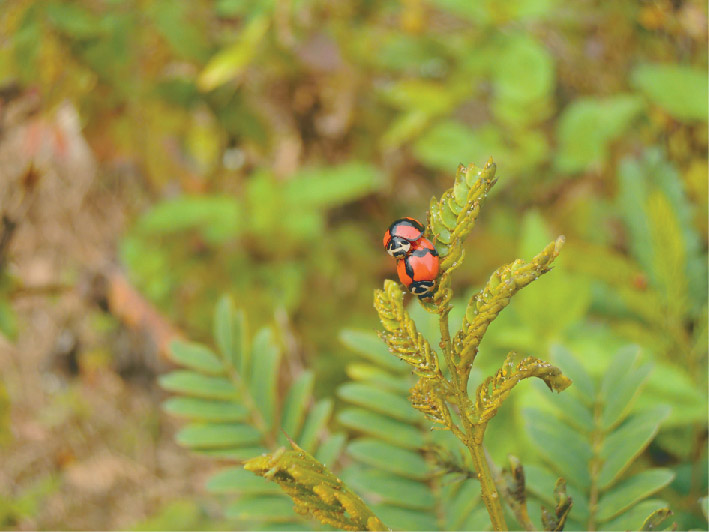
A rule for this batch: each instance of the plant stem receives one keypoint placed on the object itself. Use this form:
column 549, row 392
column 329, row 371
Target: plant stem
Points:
column 446, row 347
column 487, row 485
column 473, row 433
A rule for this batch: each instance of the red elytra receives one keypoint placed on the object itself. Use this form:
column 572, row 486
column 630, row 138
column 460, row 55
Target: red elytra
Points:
column 407, row 228
column 419, row 269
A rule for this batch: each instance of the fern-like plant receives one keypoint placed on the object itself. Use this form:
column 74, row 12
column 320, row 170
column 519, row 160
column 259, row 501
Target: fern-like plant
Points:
column 592, row 439
column 397, row 462
column 230, row 398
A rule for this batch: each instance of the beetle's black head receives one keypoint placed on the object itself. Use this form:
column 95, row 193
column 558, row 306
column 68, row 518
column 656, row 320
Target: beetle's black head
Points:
column 398, row 247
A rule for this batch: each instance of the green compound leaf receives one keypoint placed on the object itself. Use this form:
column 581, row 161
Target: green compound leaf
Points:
column 632, row 490
column 486, row 305
column 315, row 490
column 196, row 357
column 387, row 457
column 205, row 409
column 232, row 400
column 608, row 450
column 384, row 428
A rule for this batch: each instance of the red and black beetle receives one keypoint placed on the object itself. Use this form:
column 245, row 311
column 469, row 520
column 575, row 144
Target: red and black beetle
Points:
column 401, row 235
column 419, row 269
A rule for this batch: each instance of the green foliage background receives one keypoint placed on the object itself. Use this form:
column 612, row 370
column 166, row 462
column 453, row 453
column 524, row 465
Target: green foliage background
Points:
column 270, row 143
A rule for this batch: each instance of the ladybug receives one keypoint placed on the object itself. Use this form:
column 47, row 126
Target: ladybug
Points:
column 419, row 269
column 400, row 235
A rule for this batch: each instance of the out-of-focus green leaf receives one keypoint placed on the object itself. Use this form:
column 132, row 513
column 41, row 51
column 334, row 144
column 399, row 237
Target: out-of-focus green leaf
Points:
column 460, row 502
column 8, row 320
column 523, row 70
column 564, row 448
column 371, row 347
column 198, row 385
column 381, row 427
column 620, row 400
column 405, row 518
column 704, row 503
column 331, row 449
column 573, row 369
column 73, row 19
column 230, row 334
column 196, row 357
column 588, row 125
column 388, row 488
column 230, row 63
column 295, row 404
column 314, row 424
column 623, row 445
column 554, row 302
column 264, row 377
column 631, row 491
column 450, row 140
column 218, row 435
column 324, row 188
column 205, row 409
column 387, row 457
column 376, row 400
column 635, row 517
column 218, row 218
column 378, row 377
column 620, row 385
column 679, row 89
column 262, row 508
column 237, row 480
column 639, row 179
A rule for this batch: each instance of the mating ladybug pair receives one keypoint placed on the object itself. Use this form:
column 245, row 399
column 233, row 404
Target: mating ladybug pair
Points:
column 417, row 259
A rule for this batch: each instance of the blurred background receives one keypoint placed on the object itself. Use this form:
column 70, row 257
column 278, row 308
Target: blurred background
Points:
column 155, row 154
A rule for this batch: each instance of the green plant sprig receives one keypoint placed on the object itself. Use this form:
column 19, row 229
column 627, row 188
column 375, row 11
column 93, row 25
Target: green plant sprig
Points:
column 445, row 400
column 314, row 489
